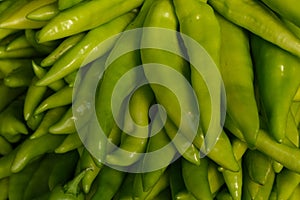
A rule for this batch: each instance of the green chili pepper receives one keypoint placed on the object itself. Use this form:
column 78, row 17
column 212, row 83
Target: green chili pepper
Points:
column 30, row 149
column 20, row 77
column 276, row 72
column 77, row 19
column 176, row 180
column 135, row 142
column 15, row 15
column 5, row 146
column 9, row 93
column 286, row 182
column 69, row 62
column 203, row 17
column 185, row 195
column 4, row 188
column 125, row 191
column 286, row 155
column 164, row 195
column 71, row 78
column 65, row 4
column 285, row 9
column 63, row 169
column 51, row 117
column 69, row 191
column 60, row 98
column 296, row 193
column 114, row 72
column 71, row 142
column 40, row 177
column 18, row 43
column 64, row 46
column 163, row 17
column 86, row 161
column 292, row 135
column 109, row 181
column 8, row 65
column 43, row 48
column 234, row 180
column 29, row 52
column 224, row 195
column 11, row 120
column 19, row 181
column 5, row 32
column 297, row 95
column 190, row 153
column 157, row 142
column 258, row 165
column 34, row 96
column 6, row 162
column 215, row 178
column 43, row 13
column 239, row 86
column 196, row 178
column 65, row 125
column 258, row 19
column 208, row 36
column 40, row 72
column 265, row 190
column 138, row 192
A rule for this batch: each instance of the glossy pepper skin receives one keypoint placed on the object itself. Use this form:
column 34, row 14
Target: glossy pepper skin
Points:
column 77, row 19
column 69, row 191
column 203, row 17
column 277, row 76
column 236, row 69
column 258, row 19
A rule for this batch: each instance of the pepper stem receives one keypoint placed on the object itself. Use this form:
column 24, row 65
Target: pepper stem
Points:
column 72, row 186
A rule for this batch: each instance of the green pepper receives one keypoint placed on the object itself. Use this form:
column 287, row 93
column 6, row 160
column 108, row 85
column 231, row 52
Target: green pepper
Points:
column 196, row 178
column 15, row 16
column 6, row 162
column 65, row 125
column 9, row 93
column 64, row 46
column 51, row 117
column 135, row 141
column 285, row 9
column 20, row 77
column 29, row 52
column 18, row 43
column 87, row 161
column 224, row 195
column 4, row 188
column 31, row 149
column 34, row 96
column 18, row 182
column 260, row 20
column 60, row 98
column 237, row 75
column 215, row 178
column 109, row 181
column 65, row 4
column 11, row 120
column 203, row 17
column 71, row 142
column 77, row 19
column 286, row 182
column 69, row 191
column 276, row 72
column 5, row 146
column 8, row 65
column 43, row 13
column 125, row 191
column 296, row 193
column 84, row 51
column 156, row 142
column 176, row 180
column 40, row 72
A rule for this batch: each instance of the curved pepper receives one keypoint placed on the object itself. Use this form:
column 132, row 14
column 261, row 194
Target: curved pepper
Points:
column 69, row 191
column 237, row 73
column 277, row 76
column 77, row 19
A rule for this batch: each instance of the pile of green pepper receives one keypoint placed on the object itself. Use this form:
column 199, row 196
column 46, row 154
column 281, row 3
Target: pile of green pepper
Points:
column 255, row 45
